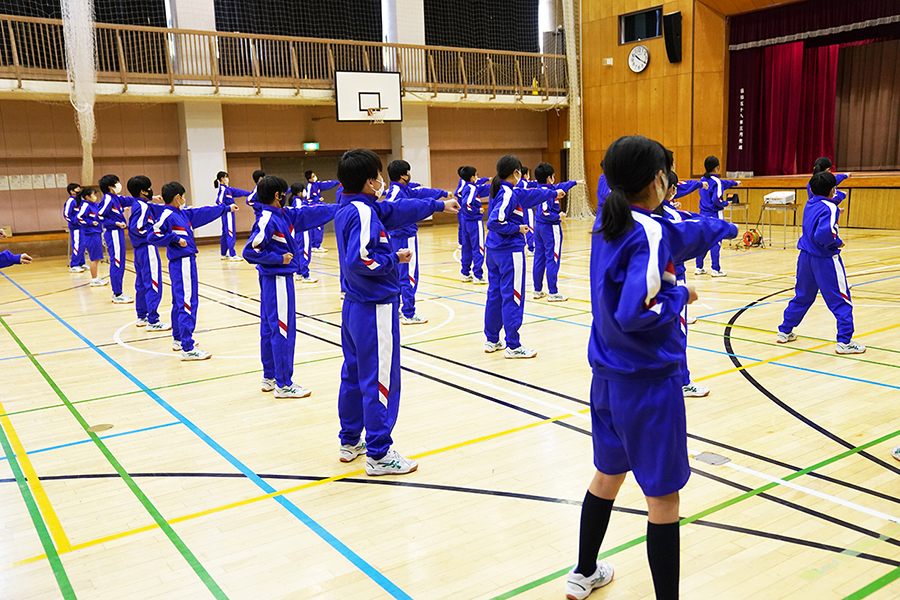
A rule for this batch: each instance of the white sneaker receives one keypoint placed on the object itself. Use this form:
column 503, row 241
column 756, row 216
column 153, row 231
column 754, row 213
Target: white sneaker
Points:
column 690, row 320
column 223, row 257
column 413, row 320
column 308, row 279
column 195, row 354
column 692, row 390
column 850, row 347
column 538, row 294
column 122, row 299
column 390, row 464
column 579, row 587
column 292, row 391
column 349, row 452
column 176, row 346
column 267, row 385
column 236, row 258
column 159, row 326
column 482, row 281
column 715, row 273
column 784, row 338
column 76, row 269
column 493, row 347
column 520, row 352
column 895, row 452
column 141, row 323
column 98, row 282
column 699, row 271
column 556, row 298
column 467, row 278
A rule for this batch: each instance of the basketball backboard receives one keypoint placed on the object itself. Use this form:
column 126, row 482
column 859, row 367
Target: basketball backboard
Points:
column 357, row 92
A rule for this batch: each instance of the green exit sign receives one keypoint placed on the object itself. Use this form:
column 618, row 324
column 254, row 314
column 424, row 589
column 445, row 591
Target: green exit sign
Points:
column 310, row 146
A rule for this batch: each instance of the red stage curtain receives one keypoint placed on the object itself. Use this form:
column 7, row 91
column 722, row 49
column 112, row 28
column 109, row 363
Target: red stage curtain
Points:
column 816, row 137
column 780, row 110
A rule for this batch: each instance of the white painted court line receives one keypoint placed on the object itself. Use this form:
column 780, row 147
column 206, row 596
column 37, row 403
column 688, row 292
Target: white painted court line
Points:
column 450, row 317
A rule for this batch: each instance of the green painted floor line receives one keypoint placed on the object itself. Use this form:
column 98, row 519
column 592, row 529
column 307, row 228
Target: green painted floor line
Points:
column 179, row 544
column 59, row 572
column 721, row 506
column 881, row 582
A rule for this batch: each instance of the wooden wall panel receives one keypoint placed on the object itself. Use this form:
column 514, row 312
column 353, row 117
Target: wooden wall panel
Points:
column 875, row 208
column 460, row 128
column 736, row 7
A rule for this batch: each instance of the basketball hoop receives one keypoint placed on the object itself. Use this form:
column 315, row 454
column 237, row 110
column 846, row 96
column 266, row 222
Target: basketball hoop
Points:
column 376, row 115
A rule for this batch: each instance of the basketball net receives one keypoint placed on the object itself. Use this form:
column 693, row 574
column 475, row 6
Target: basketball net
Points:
column 376, row 115
column 78, row 31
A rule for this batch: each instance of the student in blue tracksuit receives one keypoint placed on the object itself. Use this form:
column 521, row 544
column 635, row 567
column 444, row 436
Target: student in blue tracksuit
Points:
column 225, row 195
column 86, row 208
column 548, row 235
column 460, row 232
column 471, row 214
column 636, row 351
column 174, row 230
column 147, row 266
column 505, row 259
column 314, row 189
column 407, row 237
column 76, row 257
column 112, row 215
column 819, row 268
column 251, row 198
column 712, row 201
column 303, row 237
column 823, row 164
column 273, row 249
column 370, row 333
column 525, row 183
column 8, row 259
column 672, row 211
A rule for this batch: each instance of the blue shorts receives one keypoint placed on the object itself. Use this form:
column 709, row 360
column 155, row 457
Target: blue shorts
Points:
column 640, row 426
column 93, row 245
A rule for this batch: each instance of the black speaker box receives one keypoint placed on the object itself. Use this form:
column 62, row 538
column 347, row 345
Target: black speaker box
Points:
column 672, row 31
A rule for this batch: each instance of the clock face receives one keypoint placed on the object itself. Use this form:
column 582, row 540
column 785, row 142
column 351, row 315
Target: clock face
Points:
column 638, row 58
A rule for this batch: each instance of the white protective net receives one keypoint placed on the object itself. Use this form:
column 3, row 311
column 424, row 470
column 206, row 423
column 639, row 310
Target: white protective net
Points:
column 578, row 205
column 78, row 30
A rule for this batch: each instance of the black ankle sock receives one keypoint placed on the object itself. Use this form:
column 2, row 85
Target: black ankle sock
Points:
column 594, row 520
column 663, row 550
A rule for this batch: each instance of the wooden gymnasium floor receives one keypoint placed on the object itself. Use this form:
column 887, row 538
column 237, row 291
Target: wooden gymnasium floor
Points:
column 206, row 487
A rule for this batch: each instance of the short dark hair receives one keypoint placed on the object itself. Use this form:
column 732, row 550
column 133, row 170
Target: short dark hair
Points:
column 397, row 169
column 823, row 163
column 258, row 174
column 297, row 188
column 673, row 178
column 710, row 164
column 543, row 172
column 170, row 190
column 268, row 186
column 84, row 193
column 309, row 174
column 108, row 181
column 466, row 173
column 524, row 170
column 356, row 167
column 72, row 187
column 822, row 183
column 138, row 184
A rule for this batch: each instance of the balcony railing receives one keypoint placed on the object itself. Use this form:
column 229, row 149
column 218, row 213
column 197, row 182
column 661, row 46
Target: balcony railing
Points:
column 33, row 49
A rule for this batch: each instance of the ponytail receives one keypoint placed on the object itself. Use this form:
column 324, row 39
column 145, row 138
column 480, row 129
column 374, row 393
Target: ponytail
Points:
column 710, row 164
column 506, row 166
column 823, row 163
column 219, row 176
column 630, row 165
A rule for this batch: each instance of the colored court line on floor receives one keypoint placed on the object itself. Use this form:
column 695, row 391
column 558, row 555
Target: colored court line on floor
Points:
column 179, row 544
column 881, row 582
column 59, row 572
column 330, row 539
column 102, row 437
column 708, row 511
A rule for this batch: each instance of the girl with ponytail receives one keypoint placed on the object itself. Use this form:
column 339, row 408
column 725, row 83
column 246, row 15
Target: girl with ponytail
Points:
column 823, row 165
column 505, row 258
column 636, row 352
column 226, row 196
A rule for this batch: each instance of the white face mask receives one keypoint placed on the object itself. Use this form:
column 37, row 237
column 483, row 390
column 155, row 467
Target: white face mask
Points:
column 118, row 188
column 379, row 192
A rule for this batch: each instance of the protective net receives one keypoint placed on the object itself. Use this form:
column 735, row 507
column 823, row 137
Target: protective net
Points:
column 358, row 20
column 78, row 30
column 578, row 206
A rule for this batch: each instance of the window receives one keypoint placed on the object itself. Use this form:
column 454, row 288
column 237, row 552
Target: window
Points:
column 642, row 25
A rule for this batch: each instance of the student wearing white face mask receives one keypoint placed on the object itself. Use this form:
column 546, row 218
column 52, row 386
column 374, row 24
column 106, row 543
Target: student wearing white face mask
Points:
column 112, row 215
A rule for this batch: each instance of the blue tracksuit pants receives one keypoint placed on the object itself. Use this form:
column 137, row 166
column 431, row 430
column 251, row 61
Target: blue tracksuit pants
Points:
column 814, row 274
column 461, row 232
column 226, row 243
column 77, row 246
column 409, row 273
column 318, row 234
column 304, row 242
column 472, row 253
column 277, row 327
column 529, row 235
column 505, row 305
column 115, row 245
column 547, row 252
column 147, row 283
column 714, row 251
column 185, row 299
column 370, row 377
column 685, row 373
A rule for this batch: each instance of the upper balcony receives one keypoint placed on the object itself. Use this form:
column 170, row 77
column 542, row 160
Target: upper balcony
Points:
column 156, row 64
